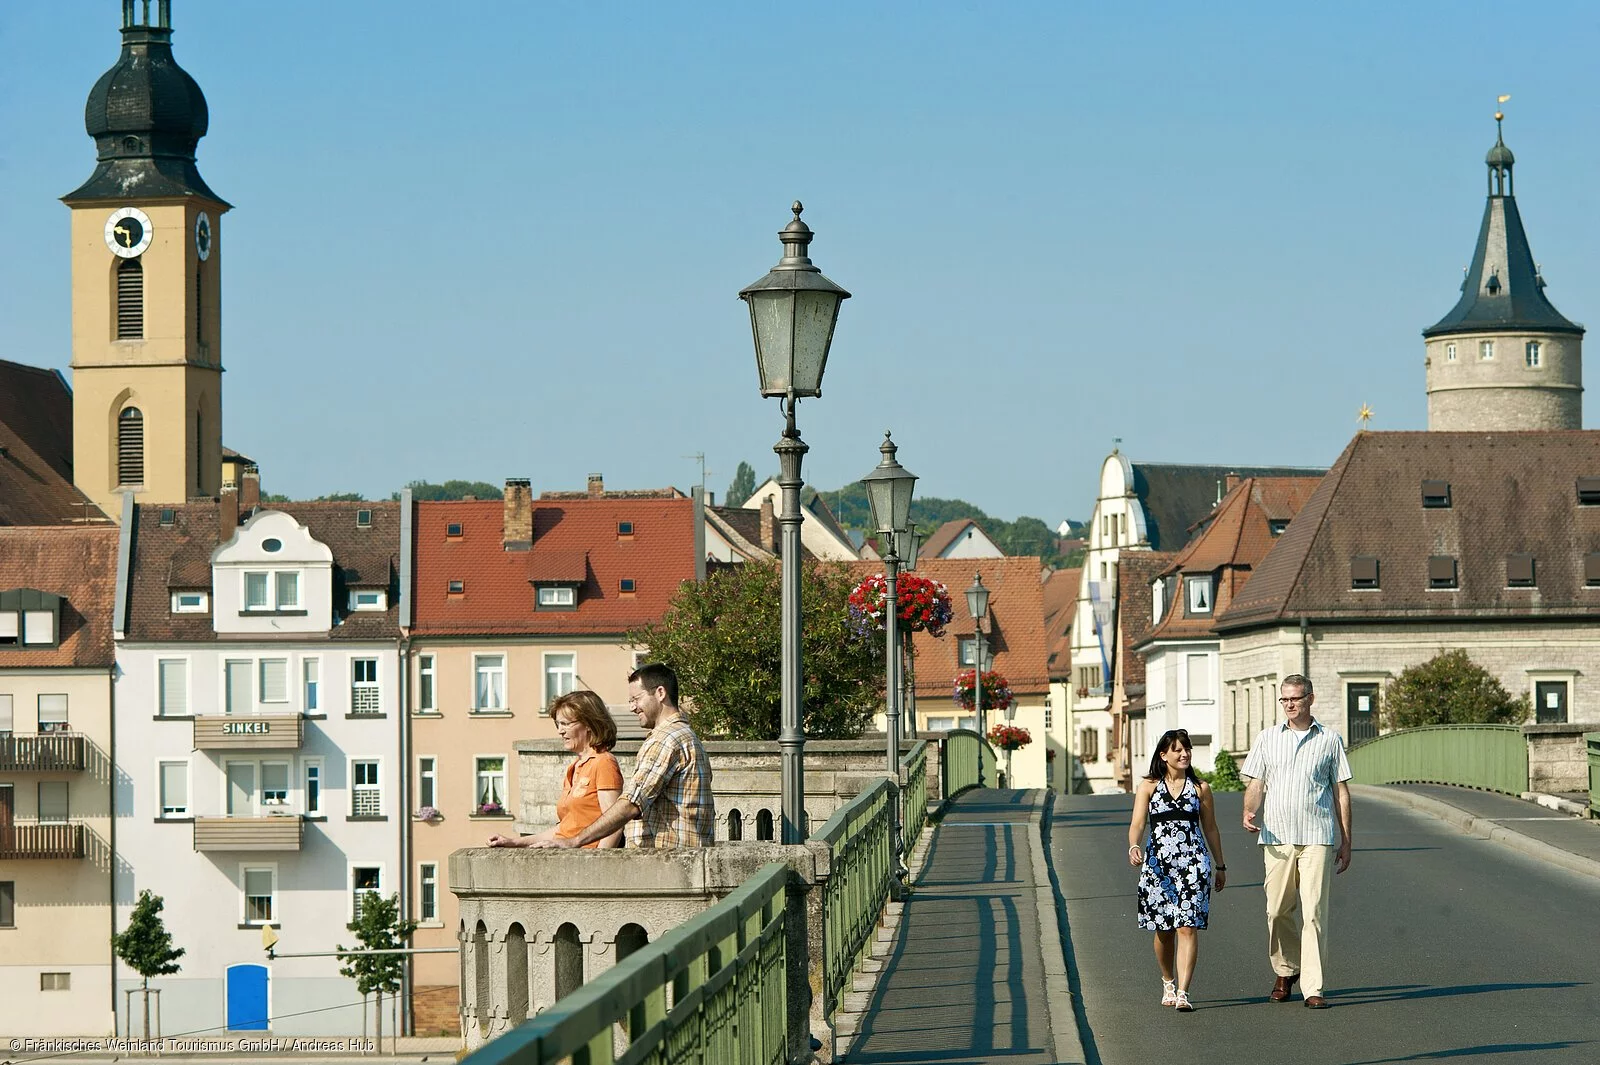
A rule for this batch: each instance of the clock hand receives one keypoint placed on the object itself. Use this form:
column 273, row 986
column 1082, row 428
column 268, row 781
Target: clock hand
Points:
column 125, row 235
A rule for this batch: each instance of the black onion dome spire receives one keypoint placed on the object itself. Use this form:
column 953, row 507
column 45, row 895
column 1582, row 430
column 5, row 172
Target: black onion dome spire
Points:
column 1503, row 289
column 146, row 115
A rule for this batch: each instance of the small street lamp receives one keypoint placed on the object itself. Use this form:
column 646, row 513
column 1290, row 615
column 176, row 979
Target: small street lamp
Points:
column 889, row 488
column 793, row 310
column 978, row 606
column 907, row 548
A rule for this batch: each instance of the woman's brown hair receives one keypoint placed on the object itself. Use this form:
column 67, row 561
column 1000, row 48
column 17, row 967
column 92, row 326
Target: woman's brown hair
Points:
column 589, row 710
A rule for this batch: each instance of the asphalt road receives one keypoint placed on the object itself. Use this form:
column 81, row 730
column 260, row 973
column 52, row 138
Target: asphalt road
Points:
column 1445, row 947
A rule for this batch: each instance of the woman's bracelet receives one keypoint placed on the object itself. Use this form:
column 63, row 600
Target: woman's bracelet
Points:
column 1222, row 868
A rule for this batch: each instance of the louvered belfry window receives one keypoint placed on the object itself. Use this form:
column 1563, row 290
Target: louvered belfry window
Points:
column 130, row 446
column 130, row 300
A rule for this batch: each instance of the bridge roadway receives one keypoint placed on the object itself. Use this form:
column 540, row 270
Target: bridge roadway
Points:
column 1445, row 946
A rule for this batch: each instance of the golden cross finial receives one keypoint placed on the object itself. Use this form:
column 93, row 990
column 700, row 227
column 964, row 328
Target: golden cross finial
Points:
column 1364, row 415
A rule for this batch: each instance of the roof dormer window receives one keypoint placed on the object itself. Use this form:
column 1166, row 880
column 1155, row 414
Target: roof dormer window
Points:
column 190, row 602
column 557, row 597
column 270, row 591
column 368, row 599
column 1588, row 491
column 453, row 530
column 363, row 519
column 1442, row 573
column 29, row 619
column 1276, row 526
column 1199, row 594
column 1520, row 571
column 1436, row 495
column 624, row 528
column 1364, row 572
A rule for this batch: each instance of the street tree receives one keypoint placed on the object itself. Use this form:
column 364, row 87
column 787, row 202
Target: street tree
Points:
column 453, row 489
column 145, row 946
column 1450, row 689
column 743, row 485
column 378, row 926
column 724, row 637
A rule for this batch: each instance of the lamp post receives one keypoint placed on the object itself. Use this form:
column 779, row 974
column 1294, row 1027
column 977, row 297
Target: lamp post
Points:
column 978, row 606
column 793, row 310
column 889, row 488
column 907, row 547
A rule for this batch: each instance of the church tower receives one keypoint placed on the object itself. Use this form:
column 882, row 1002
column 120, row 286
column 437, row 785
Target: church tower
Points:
column 146, row 272
column 1504, row 358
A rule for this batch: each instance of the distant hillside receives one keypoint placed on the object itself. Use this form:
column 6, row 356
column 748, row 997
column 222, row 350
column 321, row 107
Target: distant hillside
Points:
column 1025, row 536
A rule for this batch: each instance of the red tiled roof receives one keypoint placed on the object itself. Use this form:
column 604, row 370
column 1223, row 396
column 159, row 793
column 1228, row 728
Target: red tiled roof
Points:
column 79, row 565
column 558, row 567
column 36, row 451
column 499, row 596
column 1015, row 623
column 179, row 556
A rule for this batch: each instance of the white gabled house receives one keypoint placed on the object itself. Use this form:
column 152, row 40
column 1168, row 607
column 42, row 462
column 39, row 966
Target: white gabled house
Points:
column 258, row 750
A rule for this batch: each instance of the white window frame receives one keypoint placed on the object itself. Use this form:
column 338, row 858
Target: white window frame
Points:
column 375, row 685
column 162, row 813
column 53, row 725
column 557, row 595
column 1449, row 353
column 479, row 777
column 249, row 665
column 270, row 868
column 966, row 651
column 245, row 606
column 1189, row 693
column 188, row 686
column 360, row 789
column 368, row 599
column 1190, row 585
column 1533, row 354
column 10, row 628
column 428, row 781
column 428, row 684
column 350, row 885
column 479, row 669
column 200, row 605
column 261, row 682
column 1486, row 350
column 8, row 712
column 311, row 685
column 307, row 766
column 284, row 805
column 549, row 674
column 274, row 600
column 291, row 602
column 427, row 878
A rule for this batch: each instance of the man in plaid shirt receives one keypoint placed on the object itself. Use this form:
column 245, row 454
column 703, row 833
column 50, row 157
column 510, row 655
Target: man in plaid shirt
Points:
column 668, row 803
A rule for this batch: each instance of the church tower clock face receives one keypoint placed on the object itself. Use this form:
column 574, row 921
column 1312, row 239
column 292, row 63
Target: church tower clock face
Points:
column 128, row 232
column 202, row 236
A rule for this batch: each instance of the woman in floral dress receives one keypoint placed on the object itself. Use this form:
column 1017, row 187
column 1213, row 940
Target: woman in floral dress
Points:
column 1173, row 808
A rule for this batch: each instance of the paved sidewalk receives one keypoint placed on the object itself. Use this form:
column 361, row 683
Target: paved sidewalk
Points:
column 1560, row 839
column 976, row 974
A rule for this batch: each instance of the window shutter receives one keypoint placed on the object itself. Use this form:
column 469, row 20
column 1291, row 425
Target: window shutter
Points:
column 1589, row 491
column 130, row 446
column 174, row 692
column 1435, row 494
column 1519, row 571
column 1441, row 572
column 1591, row 569
column 1363, row 572
column 130, row 301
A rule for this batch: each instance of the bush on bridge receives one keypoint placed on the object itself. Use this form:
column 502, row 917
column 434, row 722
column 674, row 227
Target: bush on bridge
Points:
column 1450, row 689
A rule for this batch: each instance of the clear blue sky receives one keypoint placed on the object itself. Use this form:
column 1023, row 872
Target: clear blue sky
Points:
column 484, row 240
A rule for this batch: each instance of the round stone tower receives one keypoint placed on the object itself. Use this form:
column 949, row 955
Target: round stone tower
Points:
column 1504, row 358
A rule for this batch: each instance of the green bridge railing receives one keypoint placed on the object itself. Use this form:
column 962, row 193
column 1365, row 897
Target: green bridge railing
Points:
column 914, row 794
column 858, row 836
column 1591, row 742
column 1491, row 757
column 967, row 761
column 712, row 991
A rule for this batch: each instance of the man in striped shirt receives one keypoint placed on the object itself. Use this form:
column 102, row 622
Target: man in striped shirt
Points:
column 669, row 802
column 1299, row 768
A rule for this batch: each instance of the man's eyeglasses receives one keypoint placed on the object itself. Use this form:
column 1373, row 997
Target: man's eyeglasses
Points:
column 1290, row 700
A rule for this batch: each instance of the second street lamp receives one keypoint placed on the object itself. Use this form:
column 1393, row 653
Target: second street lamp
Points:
column 793, row 310
column 978, row 606
column 907, row 548
column 889, row 488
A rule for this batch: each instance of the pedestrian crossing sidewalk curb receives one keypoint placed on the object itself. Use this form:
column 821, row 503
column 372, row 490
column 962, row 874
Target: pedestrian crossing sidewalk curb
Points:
column 1067, row 1045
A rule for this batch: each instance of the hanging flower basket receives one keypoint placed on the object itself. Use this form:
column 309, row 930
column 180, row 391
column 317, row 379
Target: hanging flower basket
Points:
column 1009, row 737
column 923, row 605
column 996, row 691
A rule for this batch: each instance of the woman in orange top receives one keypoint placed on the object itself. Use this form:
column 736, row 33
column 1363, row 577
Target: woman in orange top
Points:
column 593, row 780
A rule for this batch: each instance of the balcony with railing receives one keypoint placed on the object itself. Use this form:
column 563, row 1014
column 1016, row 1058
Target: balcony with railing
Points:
column 43, row 752
column 248, row 732
column 270, row 833
column 41, row 839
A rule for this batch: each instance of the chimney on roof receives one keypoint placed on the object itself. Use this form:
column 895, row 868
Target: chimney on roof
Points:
column 227, row 513
column 597, row 486
column 250, row 489
column 769, row 526
column 518, row 514
column 1231, row 483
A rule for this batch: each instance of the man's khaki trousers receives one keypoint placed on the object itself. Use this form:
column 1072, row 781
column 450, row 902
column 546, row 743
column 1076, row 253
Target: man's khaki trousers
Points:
column 1298, row 878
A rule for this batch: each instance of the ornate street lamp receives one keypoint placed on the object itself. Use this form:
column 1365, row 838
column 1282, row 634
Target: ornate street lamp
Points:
column 978, row 606
column 889, row 488
column 793, row 310
column 907, row 548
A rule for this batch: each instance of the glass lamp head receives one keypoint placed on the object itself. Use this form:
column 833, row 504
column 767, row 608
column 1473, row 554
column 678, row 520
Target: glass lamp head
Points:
column 978, row 598
column 889, row 488
column 793, row 310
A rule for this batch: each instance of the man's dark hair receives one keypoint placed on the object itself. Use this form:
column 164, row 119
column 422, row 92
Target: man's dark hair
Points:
column 1299, row 680
column 653, row 675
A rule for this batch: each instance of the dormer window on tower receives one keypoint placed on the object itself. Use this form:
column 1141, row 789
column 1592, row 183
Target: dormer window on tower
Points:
column 1533, row 354
column 1486, row 350
column 1450, row 353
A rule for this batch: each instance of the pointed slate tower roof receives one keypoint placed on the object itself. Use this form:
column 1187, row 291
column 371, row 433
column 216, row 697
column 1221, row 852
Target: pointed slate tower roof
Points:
column 1502, row 289
column 146, row 115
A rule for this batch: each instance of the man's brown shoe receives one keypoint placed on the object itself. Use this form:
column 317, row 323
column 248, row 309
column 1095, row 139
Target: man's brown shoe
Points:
column 1281, row 986
column 1316, row 1002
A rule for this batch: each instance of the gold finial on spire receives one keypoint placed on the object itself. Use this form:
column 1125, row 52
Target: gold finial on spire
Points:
column 1502, row 98
column 1364, row 415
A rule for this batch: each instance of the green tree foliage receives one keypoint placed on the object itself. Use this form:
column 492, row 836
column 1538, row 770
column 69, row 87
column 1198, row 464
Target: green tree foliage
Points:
column 742, row 487
column 145, row 946
column 1450, row 689
column 275, row 497
column 1224, row 775
column 342, row 497
column 377, row 927
column 1025, row 536
column 424, row 490
column 724, row 639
